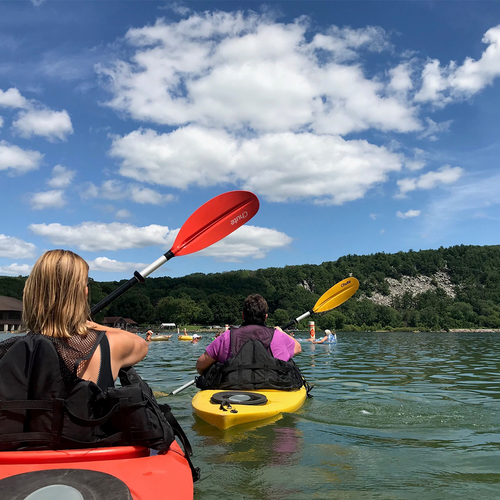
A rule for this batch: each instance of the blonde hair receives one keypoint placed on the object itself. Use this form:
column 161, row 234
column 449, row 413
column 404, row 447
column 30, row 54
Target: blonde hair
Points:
column 55, row 297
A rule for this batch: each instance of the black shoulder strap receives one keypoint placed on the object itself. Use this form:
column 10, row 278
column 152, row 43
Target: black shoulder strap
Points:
column 231, row 343
column 90, row 354
column 105, row 378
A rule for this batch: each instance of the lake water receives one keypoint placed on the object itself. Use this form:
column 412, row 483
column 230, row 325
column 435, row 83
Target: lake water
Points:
column 394, row 416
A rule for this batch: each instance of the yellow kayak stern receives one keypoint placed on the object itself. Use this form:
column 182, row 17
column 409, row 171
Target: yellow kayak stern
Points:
column 223, row 418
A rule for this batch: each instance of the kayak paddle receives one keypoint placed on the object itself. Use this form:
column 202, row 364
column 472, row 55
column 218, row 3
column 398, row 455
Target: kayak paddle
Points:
column 159, row 394
column 209, row 224
column 332, row 298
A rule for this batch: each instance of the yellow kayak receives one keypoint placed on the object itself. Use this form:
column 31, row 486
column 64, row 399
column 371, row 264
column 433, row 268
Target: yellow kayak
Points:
column 185, row 337
column 225, row 409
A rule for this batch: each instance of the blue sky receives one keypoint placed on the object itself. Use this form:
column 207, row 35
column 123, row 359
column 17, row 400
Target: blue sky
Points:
column 362, row 127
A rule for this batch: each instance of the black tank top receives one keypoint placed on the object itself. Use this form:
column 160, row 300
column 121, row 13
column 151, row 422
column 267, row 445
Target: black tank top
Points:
column 105, row 378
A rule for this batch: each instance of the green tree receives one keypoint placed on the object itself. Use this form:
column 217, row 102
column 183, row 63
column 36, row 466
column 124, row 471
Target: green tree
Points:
column 226, row 310
column 134, row 305
column 182, row 310
column 279, row 318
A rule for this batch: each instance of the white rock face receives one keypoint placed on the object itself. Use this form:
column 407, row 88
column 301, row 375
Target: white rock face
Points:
column 414, row 286
column 306, row 285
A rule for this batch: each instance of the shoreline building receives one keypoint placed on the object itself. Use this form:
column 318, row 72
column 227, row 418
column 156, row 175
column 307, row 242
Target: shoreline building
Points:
column 10, row 314
column 120, row 322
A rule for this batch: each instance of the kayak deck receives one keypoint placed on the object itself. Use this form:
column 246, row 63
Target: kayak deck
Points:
column 147, row 476
column 277, row 402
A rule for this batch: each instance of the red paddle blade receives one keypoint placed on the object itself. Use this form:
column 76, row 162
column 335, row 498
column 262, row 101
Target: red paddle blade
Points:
column 214, row 220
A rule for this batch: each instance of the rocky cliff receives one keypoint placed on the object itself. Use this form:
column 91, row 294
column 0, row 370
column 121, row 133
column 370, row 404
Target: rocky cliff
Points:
column 414, row 286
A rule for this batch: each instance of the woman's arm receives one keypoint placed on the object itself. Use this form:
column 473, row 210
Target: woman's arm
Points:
column 204, row 362
column 126, row 348
column 296, row 346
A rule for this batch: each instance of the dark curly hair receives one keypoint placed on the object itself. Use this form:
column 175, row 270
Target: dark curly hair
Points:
column 255, row 310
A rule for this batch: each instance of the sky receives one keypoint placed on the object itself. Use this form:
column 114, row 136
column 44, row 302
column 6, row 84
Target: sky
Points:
column 362, row 127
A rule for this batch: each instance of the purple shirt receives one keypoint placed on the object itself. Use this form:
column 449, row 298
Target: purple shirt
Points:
column 282, row 346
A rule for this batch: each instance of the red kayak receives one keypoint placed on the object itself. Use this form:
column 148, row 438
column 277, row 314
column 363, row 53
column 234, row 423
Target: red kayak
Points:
column 118, row 473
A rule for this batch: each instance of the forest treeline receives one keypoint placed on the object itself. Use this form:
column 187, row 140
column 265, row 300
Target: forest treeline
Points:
column 208, row 299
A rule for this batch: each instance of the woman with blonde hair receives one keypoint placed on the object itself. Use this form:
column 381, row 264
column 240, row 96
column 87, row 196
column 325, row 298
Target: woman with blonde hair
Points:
column 55, row 304
column 57, row 381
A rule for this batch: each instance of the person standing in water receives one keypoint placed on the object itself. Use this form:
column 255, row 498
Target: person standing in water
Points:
column 329, row 337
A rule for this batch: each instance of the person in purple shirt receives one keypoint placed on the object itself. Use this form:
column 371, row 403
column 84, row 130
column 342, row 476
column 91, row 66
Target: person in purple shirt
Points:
column 255, row 312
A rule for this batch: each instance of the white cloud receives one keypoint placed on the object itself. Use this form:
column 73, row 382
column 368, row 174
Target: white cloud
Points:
column 433, row 83
column 61, row 177
column 118, row 190
column 414, row 164
column 409, row 214
column 15, row 269
column 186, row 156
column 89, row 190
column 113, row 266
column 177, row 8
column 47, row 199
column 418, row 161
column 246, row 242
column 1, row 122
column 12, row 98
column 236, row 71
column 280, row 167
column 373, row 216
column 473, row 75
column 442, row 85
column 14, row 248
column 444, row 175
column 97, row 236
column 342, row 42
column 434, row 128
column 401, row 81
column 43, row 122
column 17, row 159
column 123, row 213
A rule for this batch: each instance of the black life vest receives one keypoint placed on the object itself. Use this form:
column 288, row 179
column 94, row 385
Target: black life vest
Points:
column 44, row 405
column 251, row 365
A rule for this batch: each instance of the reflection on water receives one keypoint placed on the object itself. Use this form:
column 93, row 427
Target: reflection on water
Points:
column 394, row 416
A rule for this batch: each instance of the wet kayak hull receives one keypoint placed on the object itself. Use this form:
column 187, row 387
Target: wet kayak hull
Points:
column 277, row 402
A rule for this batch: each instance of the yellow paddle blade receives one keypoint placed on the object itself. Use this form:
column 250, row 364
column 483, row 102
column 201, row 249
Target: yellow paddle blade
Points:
column 336, row 295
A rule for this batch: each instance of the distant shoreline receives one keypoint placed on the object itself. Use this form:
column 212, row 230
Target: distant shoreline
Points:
column 474, row 330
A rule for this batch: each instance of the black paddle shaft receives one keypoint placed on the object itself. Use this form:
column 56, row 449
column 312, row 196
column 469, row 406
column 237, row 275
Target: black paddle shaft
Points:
column 114, row 295
column 139, row 277
column 296, row 320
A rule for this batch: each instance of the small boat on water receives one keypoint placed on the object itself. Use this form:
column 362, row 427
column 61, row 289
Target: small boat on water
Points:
column 156, row 338
column 117, row 473
column 225, row 409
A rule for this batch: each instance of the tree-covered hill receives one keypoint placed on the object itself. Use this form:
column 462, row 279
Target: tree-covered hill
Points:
column 456, row 287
